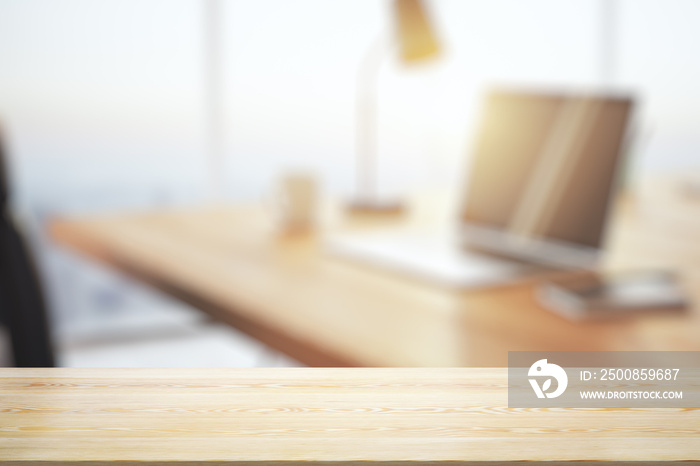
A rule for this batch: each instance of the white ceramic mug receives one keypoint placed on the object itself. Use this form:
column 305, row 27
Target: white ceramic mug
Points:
column 295, row 202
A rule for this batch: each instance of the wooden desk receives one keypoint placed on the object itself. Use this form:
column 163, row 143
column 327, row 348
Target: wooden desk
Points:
column 328, row 312
column 317, row 416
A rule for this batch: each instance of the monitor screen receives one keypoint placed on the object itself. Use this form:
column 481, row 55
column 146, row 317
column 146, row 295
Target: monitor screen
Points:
column 544, row 165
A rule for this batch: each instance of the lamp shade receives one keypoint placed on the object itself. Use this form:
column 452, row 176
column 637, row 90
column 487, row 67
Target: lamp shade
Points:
column 415, row 36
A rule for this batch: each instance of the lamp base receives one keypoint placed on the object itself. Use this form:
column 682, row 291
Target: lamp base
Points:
column 365, row 207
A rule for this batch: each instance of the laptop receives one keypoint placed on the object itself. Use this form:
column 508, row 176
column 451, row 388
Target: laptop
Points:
column 538, row 194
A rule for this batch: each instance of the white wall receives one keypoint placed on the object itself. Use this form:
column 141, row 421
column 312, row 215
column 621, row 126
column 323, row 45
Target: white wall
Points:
column 103, row 99
column 658, row 57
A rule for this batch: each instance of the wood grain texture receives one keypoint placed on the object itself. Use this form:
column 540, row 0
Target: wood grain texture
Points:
column 324, row 311
column 324, row 416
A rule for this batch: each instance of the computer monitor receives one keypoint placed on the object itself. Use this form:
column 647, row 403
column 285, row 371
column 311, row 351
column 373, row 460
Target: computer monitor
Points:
column 543, row 173
column 538, row 194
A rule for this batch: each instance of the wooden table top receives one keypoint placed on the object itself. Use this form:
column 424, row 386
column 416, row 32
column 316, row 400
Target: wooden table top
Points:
column 324, row 311
column 334, row 416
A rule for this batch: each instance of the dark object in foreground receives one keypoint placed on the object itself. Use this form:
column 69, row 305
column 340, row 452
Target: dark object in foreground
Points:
column 22, row 307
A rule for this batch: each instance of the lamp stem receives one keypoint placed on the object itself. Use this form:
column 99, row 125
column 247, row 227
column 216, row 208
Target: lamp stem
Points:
column 366, row 124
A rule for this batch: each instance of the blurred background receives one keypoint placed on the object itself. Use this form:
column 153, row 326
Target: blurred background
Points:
column 106, row 106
